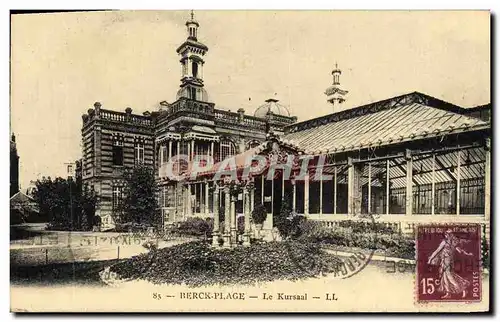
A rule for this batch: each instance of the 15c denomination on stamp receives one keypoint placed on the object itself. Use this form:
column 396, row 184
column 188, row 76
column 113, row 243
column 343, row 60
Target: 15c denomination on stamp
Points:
column 448, row 263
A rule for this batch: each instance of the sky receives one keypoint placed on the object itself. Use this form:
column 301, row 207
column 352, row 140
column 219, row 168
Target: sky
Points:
column 62, row 63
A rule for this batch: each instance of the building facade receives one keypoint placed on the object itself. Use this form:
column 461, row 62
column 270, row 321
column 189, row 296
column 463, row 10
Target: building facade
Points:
column 114, row 141
column 408, row 159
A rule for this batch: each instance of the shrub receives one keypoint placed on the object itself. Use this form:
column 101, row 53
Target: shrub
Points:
column 194, row 227
column 348, row 235
column 364, row 226
column 259, row 214
column 288, row 223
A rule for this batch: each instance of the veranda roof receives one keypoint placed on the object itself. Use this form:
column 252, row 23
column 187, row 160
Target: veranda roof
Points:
column 392, row 125
column 241, row 160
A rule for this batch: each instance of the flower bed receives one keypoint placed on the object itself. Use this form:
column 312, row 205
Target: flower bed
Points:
column 196, row 264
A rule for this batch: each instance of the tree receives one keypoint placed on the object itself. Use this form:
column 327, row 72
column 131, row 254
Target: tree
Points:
column 139, row 204
column 65, row 203
column 259, row 214
column 288, row 223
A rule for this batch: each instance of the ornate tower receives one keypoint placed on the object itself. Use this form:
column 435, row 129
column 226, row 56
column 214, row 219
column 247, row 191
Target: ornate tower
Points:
column 191, row 53
column 336, row 95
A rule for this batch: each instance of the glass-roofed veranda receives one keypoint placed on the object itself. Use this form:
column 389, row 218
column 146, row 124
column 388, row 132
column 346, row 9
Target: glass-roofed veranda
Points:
column 426, row 179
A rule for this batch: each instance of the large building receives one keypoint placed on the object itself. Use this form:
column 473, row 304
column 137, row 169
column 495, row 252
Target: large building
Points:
column 411, row 158
column 192, row 125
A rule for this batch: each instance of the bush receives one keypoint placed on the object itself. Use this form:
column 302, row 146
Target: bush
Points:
column 393, row 244
column 287, row 222
column 194, row 227
column 196, row 264
column 364, row 226
column 259, row 214
column 129, row 227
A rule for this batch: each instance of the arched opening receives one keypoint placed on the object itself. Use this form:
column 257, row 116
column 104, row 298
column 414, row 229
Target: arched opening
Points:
column 195, row 69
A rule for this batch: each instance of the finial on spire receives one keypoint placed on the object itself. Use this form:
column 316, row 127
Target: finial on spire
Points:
column 336, row 95
column 192, row 15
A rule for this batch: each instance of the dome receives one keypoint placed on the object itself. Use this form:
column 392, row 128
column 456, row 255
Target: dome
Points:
column 200, row 92
column 271, row 106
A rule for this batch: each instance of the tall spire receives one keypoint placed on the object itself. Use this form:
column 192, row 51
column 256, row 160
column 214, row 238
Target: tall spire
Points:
column 192, row 52
column 336, row 95
column 192, row 27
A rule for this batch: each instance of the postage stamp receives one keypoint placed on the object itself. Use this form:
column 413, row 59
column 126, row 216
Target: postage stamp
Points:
column 448, row 263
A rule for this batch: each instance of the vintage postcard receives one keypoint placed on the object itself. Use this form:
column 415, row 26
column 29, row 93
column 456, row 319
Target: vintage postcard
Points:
column 250, row 161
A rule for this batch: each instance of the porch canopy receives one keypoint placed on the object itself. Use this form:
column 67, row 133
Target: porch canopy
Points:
column 259, row 158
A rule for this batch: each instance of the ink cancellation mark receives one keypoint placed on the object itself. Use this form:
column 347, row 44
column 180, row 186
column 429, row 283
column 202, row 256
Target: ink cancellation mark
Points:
column 352, row 263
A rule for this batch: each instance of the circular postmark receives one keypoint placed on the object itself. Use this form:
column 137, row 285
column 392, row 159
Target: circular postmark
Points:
column 353, row 262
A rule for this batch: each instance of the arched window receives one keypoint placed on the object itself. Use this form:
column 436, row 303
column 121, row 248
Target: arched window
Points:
column 195, row 69
column 252, row 144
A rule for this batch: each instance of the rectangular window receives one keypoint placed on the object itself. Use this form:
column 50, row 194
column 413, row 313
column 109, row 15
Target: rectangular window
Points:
column 164, row 154
column 117, row 198
column 117, row 155
column 227, row 150
column 139, row 153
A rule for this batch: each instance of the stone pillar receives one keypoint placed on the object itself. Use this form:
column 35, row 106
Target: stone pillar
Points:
column 206, row 198
column 388, row 186
column 350, row 187
column 433, row 185
column 216, row 231
column 335, row 190
column 169, row 149
column 487, row 188
column 227, row 217
column 252, row 198
column 178, row 147
column 192, row 150
column 306, row 195
column 409, row 183
column 369, row 206
column 212, row 150
column 247, row 212
column 234, row 232
column 321, row 194
column 160, row 154
column 294, row 197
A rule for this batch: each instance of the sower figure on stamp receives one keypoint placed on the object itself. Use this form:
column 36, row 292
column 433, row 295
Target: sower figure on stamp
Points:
column 449, row 281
